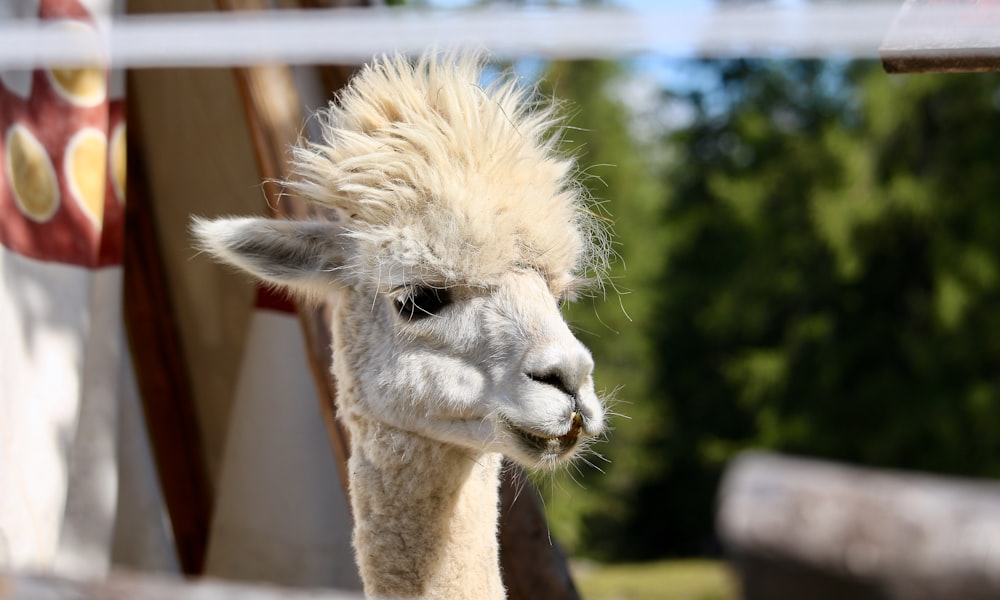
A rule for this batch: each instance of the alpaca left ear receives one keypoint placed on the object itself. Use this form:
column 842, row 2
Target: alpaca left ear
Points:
column 304, row 256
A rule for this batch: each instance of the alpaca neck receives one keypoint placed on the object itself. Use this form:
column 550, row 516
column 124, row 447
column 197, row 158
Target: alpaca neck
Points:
column 425, row 515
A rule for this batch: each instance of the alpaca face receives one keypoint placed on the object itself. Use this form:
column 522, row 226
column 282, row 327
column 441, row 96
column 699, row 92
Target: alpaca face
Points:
column 492, row 367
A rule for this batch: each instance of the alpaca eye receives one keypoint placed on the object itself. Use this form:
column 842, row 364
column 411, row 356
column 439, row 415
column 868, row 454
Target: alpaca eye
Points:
column 420, row 302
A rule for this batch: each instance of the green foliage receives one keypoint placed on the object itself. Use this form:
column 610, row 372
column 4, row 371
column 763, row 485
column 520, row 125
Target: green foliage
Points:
column 832, row 290
column 817, row 271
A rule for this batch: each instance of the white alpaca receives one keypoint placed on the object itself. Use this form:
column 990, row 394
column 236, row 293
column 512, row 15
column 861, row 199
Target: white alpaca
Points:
column 458, row 231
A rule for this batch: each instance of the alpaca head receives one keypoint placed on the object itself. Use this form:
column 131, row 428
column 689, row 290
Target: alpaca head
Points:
column 457, row 233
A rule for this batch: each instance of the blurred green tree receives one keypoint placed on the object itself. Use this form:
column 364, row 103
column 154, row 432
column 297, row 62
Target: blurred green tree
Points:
column 812, row 267
column 830, row 286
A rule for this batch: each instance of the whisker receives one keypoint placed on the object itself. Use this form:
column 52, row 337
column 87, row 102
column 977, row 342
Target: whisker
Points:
column 595, row 466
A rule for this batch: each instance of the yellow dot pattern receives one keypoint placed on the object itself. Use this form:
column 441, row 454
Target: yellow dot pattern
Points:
column 85, row 166
column 63, row 149
column 36, row 190
column 119, row 161
column 86, row 86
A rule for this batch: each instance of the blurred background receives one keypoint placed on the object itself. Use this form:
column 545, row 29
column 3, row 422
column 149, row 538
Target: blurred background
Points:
column 809, row 264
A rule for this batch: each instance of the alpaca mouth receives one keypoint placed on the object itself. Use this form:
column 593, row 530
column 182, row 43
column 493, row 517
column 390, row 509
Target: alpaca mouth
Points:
column 550, row 445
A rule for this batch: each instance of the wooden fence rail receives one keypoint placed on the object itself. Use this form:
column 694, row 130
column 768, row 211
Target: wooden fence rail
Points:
column 808, row 529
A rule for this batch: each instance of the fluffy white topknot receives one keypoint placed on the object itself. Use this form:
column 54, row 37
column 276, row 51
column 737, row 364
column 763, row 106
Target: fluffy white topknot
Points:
column 442, row 181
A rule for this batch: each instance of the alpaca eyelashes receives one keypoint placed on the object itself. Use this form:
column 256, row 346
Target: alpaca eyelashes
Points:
column 418, row 302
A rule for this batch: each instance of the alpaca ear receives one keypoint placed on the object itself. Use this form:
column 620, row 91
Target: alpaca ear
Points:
column 304, row 256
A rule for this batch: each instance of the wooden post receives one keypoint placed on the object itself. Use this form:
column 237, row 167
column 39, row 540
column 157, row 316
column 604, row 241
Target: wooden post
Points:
column 933, row 36
column 810, row 529
column 161, row 375
column 274, row 117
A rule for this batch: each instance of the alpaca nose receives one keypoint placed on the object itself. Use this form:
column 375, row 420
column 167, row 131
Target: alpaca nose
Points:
column 556, row 380
column 565, row 369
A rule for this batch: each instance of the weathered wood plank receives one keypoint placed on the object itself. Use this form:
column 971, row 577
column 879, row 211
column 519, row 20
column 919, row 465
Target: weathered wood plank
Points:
column 274, row 118
column 943, row 36
column 162, row 377
column 795, row 526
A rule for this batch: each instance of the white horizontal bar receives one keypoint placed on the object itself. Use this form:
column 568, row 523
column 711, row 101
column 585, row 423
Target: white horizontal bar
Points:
column 805, row 29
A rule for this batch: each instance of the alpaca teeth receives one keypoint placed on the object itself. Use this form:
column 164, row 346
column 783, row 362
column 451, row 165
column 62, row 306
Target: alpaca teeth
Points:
column 556, row 444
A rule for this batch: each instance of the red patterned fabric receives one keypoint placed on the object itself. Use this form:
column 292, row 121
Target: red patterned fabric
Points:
column 63, row 149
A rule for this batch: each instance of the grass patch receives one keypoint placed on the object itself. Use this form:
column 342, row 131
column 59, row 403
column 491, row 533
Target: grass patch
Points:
column 664, row 580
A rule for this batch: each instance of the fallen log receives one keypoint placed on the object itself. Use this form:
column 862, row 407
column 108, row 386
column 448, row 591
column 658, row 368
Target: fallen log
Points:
column 803, row 528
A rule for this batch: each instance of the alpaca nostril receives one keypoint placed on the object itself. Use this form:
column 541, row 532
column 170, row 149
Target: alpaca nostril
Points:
column 555, row 380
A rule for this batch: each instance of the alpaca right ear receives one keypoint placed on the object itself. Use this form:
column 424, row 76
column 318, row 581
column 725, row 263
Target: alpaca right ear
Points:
column 304, row 256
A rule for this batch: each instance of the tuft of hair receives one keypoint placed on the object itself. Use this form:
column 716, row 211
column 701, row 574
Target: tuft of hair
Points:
column 439, row 180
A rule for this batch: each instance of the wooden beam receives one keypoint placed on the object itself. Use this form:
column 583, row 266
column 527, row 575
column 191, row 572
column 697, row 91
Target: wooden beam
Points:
column 274, row 117
column 934, row 36
column 796, row 528
column 161, row 374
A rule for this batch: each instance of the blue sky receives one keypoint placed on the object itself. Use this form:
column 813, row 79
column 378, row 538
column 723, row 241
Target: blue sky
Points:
column 648, row 66
column 649, row 74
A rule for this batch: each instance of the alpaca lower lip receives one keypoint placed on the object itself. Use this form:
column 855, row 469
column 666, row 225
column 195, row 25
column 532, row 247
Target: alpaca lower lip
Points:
column 548, row 444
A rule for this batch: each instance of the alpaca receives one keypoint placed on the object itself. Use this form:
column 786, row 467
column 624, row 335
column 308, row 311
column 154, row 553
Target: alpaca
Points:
column 456, row 231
